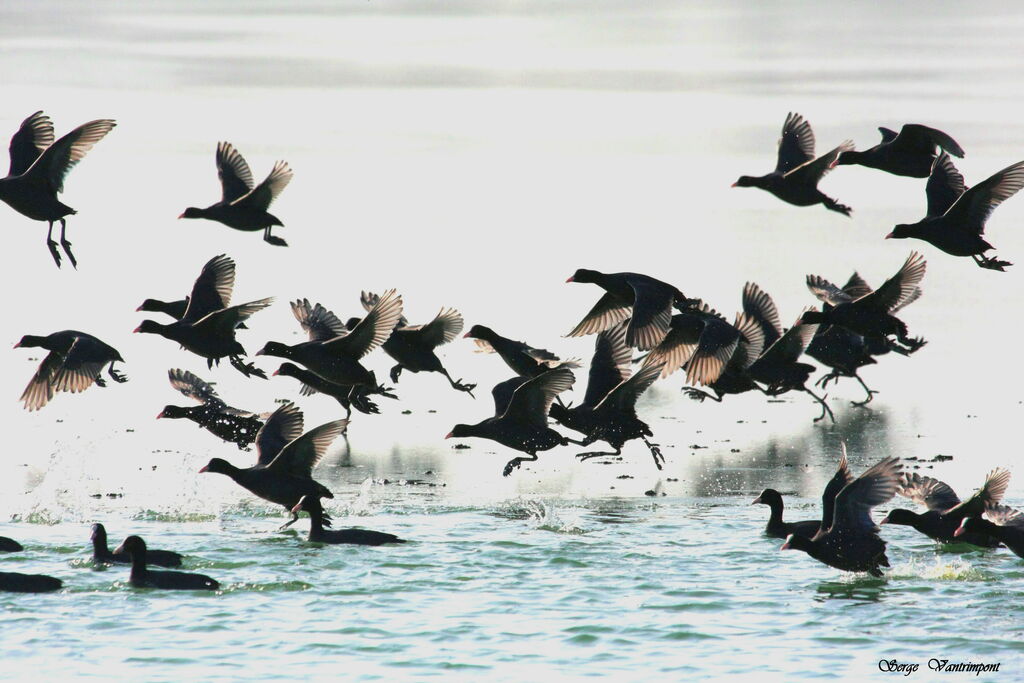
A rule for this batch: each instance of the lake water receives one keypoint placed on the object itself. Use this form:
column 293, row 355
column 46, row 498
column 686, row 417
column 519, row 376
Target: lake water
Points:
column 474, row 155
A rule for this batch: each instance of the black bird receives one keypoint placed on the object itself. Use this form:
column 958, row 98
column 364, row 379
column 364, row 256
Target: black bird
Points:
column 143, row 577
column 101, row 552
column 608, row 410
column 174, row 309
column 333, row 352
column 956, row 227
column 779, row 369
column 524, row 360
column 283, row 472
column 75, row 362
column 797, row 173
column 208, row 326
column 699, row 339
column 908, row 153
column 212, row 414
column 9, row 545
column 13, row 582
column 945, row 509
column 647, row 304
column 777, row 528
column 315, row 384
column 872, row 315
column 242, row 206
column 38, row 168
column 1002, row 523
column 412, row 346
column 317, row 533
column 522, row 425
column 851, row 542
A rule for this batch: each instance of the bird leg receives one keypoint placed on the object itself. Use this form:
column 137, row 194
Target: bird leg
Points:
column 247, row 369
column 458, row 385
column 597, row 454
column 67, row 245
column 52, row 245
column 115, row 375
column 825, row 379
column 396, row 372
column 825, row 410
column 659, row 459
column 833, row 205
column 295, row 518
column 272, row 239
column 991, row 262
column 698, row 395
column 357, row 396
column 100, row 382
column 871, row 392
column 514, row 463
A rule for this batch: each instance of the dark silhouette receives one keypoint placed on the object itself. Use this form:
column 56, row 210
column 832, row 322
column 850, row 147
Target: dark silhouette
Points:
column 524, row 360
column 317, row 533
column 75, row 362
column 212, row 414
column 908, row 153
column 1002, row 523
column 13, row 582
column 101, row 552
column 776, row 527
column 143, row 577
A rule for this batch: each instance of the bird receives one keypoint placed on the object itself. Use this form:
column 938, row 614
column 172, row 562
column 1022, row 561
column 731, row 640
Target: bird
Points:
column 872, row 315
column 956, row 227
column 701, row 340
column 317, row 533
column 242, row 206
column 101, row 552
column 212, row 414
column 143, row 577
column 945, row 509
column 15, row 582
column 645, row 301
column 1000, row 522
column 910, row 152
column 74, row 363
column 777, row 528
column 851, row 542
column 333, row 351
column 608, row 410
column 315, row 384
column 520, row 422
column 412, row 346
column 38, row 168
column 175, row 309
column 286, row 456
column 523, row 359
column 797, row 172
column 208, row 325
column 9, row 545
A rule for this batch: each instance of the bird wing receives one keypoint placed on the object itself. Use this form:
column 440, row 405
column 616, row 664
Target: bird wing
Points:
column 263, row 195
column 790, row 345
column 609, row 365
column 373, row 330
column 718, row 342
column 652, row 313
column 1004, row 516
column 900, row 288
column 796, row 145
column 40, row 388
column 813, row 171
column 679, row 344
column 32, row 138
column 227, row 319
column 991, row 493
column 502, row 393
column 751, row 343
column 915, row 138
column 944, row 187
column 369, row 300
column 76, row 371
column 606, row 312
column 975, row 205
column 854, row 502
column 301, row 455
column 827, row 292
column 60, row 157
column 888, row 134
column 624, row 396
column 193, row 387
column 933, row 494
column 532, row 400
column 856, row 286
column 445, row 327
column 317, row 322
column 837, row 483
column 282, row 427
column 234, row 173
column 212, row 289
column 759, row 305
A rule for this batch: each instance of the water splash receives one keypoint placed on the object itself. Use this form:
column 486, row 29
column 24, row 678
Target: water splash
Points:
column 937, row 569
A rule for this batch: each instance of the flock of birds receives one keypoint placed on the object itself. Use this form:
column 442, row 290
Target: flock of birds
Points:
column 636, row 314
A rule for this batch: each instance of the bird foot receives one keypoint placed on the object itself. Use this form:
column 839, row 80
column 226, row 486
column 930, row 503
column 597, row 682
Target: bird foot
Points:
column 994, row 264
column 512, row 464
column 117, row 376
column 67, row 250
column 52, row 245
column 363, row 404
column 396, row 372
column 869, row 399
column 659, row 458
column 825, row 379
column 247, row 369
column 592, row 454
column 100, row 382
column 698, row 395
column 276, row 241
column 468, row 388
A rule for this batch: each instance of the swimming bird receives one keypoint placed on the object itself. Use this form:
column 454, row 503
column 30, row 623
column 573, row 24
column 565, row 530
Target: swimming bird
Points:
column 208, row 325
column 872, row 315
column 522, row 425
column 797, row 172
column 910, row 152
column 851, row 542
column 101, row 552
column 9, row 545
column 646, row 302
column 283, row 472
column 777, row 528
column 525, row 360
column 14, row 582
column 412, row 346
column 1000, row 522
column 143, row 577
column 212, row 414
column 333, row 351
column 957, row 227
column 945, row 509
column 317, row 533
column 38, row 168
column 74, row 363
column 608, row 410
column 242, row 206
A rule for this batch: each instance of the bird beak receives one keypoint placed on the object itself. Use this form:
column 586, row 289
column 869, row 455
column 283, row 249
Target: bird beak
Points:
column 786, row 545
column 959, row 530
column 756, row 501
column 260, row 353
column 275, row 372
column 137, row 329
column 160, row 414
column 449, row 435
column 139, row 308
column 205, row 469
column 181, row 216
column 466, row 336
column 889, row 236
column 119, row 549
column 884, row 521
column 17, row 345
column 570, row 279
column 734, row 184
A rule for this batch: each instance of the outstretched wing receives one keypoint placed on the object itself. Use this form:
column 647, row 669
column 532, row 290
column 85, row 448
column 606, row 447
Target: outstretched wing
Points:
column 60, row 157
column 264, row 194
column 837, row 483
column 609, row 366
column 944, row 187
column 624, row 396
column 915, row 138
column 991, row 493
column 318, row 323
column 282, row 427
column 606, row 312
column 373, row 330
column 901, row 287
column 234, row 173
column 975, row 205
column 445, row 327
column 193, row 387
column 813, row 171
column 796, row 146
column 876, row 486
column 212, row 289
column 34, row 136
column 760, row 306
column 300, row 456
column 531, row 402
column 934, row 494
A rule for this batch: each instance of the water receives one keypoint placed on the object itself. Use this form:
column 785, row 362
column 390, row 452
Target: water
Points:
column 475, row 155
